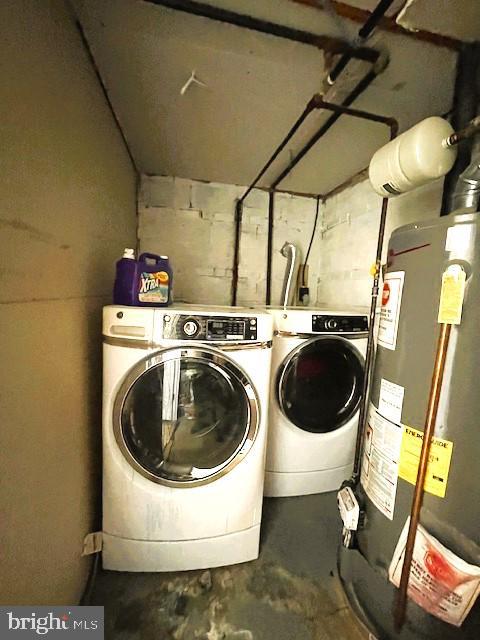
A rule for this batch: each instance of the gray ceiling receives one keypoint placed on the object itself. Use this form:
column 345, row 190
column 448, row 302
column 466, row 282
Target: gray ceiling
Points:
column 256, row 86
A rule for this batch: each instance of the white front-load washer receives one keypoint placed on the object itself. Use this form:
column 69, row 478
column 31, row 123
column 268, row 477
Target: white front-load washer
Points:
column 316, row 387
column 185, row 403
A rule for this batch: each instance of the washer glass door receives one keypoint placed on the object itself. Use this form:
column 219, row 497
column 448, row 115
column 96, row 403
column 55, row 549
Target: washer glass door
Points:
column 319, row 384
column 185, row 416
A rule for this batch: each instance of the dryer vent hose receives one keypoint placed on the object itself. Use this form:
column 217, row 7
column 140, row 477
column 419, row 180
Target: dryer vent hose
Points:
column 289, row 251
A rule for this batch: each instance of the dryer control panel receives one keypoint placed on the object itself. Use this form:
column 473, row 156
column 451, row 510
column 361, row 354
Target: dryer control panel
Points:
column 339, row 324
column 209, row 328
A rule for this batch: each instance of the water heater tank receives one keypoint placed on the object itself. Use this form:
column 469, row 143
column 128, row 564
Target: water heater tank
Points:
column 445, row 578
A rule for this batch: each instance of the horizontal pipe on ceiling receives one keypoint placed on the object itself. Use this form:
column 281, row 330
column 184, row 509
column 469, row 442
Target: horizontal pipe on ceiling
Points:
column 387, row 23
column 358, row 89
column 326, row 43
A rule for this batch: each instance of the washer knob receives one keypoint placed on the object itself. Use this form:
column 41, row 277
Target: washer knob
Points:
column 332, row 324
column 190, row 328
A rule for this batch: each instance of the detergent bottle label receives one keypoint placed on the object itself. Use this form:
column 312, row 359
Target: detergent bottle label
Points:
column 153, row 287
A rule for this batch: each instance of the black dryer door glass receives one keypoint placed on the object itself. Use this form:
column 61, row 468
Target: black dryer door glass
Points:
column 184, row 419
column 320, row 384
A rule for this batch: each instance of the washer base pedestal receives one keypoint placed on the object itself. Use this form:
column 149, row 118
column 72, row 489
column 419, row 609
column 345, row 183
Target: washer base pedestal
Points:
column 122, row 554
column 282, row 485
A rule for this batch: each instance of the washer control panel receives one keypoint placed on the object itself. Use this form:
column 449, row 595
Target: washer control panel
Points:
column 206, row 328
column 339, row 324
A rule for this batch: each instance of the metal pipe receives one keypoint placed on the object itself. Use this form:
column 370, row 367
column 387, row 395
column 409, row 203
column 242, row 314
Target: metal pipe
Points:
column 432, row 410
column 271, row 217
column 467, row 192
column 369, row 356
column 472, row 128
column 289, row 251
column 317, row 102
column 236, row 250
column 363, row 33
column 326, row 43
column 370, row 345
column 311, row 105
column 355, row 113
column 386, row 23
column 466, row 103
column 360, row 87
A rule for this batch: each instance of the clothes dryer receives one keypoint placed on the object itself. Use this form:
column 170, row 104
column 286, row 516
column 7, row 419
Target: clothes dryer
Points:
column 316, row 387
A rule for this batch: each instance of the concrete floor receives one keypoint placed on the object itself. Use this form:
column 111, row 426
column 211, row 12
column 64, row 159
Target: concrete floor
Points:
column 290, row 593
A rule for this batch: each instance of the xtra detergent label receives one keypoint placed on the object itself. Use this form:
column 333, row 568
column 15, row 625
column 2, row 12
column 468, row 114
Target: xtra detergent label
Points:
column 153, row 287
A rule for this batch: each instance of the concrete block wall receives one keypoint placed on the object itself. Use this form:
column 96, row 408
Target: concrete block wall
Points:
column 348, row 238
column 193, row 223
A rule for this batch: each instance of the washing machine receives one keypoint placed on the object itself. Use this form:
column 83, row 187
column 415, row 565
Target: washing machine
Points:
column 185, row 405
column 316, row 387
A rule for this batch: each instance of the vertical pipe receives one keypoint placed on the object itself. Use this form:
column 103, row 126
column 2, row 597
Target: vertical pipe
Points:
column 271, row 215
column 371, row 332
column 370, row 346
column 236, row 250
column 376, row 15
column 433, row 400
column 466, row 105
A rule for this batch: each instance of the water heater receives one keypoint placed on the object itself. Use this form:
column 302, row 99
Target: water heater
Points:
column 445, row 576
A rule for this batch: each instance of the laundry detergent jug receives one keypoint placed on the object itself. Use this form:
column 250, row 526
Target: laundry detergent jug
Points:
column 144, row 282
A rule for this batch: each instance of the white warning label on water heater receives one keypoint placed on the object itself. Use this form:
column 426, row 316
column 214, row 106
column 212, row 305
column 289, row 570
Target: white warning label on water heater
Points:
column 440, row 582
column 390, row 401
column 390, row 309
column 381, row 455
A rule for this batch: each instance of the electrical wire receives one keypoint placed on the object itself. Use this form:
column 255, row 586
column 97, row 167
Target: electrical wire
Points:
column 317, row 210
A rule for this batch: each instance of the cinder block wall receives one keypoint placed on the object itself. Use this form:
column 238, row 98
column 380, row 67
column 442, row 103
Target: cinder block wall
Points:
column 193, row 223
column 348, row 242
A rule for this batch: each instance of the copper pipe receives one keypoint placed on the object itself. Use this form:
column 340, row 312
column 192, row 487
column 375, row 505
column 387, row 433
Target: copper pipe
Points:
column 432, row 410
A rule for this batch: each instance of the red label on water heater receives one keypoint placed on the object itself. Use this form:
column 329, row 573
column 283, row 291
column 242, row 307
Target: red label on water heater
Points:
column 385, row 294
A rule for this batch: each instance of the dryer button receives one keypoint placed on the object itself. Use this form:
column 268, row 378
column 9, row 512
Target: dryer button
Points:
column 331, row 324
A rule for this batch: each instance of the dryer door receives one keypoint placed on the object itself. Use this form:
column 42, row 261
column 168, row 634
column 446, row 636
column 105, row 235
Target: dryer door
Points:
column 319, row 384
column 185, row 416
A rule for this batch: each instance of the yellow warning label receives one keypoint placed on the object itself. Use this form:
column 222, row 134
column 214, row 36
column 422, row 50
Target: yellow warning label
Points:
column 451, row 297
column 438, row 464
